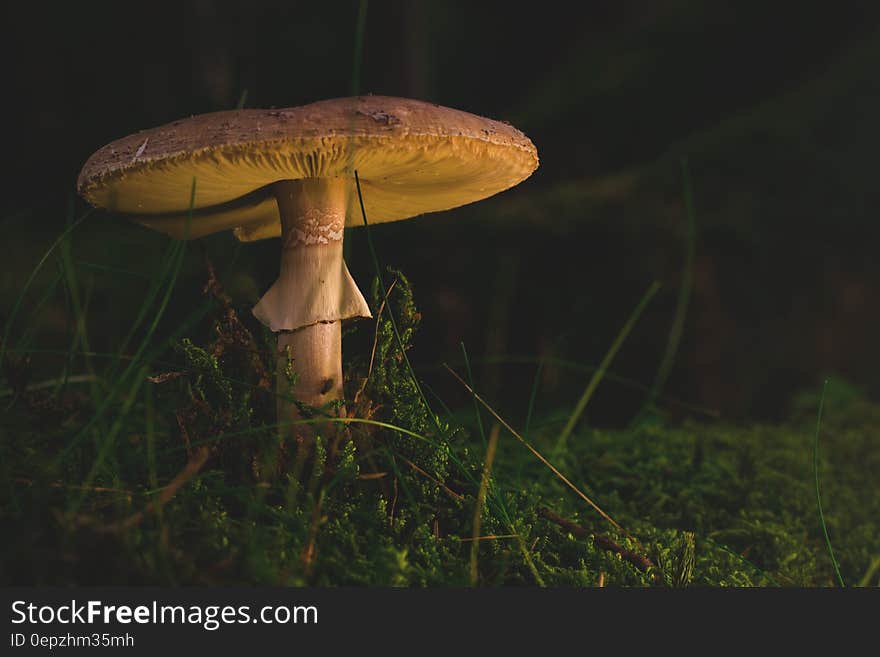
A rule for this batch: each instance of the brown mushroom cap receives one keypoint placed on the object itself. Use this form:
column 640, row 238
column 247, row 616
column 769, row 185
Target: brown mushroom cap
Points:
column 411, row 157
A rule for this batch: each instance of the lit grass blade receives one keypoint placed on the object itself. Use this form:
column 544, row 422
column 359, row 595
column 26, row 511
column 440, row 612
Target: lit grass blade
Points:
column 872, row 571
column 539, row 456
column 609, row 376
column 684, row 297
column 603, row 367
column 481, row 501
column 818, row 495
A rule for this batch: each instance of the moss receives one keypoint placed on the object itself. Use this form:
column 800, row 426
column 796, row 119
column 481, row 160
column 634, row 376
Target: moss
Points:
column 704, row 504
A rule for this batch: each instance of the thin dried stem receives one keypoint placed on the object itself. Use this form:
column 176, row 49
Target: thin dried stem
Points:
column 190, row 470
column 489, row 537
column 444, row 487
column 538, row 455
column 375, row 342
column 644, row 564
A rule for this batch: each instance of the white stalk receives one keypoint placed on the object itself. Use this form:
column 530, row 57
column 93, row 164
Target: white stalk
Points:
column 312, row 295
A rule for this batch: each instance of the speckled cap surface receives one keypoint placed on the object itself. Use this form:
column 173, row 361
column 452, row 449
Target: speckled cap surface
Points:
column 412, row 157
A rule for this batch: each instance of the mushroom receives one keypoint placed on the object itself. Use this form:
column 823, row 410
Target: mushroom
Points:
column 290, row 173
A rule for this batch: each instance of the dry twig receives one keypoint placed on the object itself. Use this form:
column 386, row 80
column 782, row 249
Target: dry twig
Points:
column 190, row 470
column 538, row 455
column 601, row 541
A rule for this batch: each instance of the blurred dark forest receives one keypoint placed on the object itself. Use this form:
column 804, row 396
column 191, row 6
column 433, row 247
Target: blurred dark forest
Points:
column 775, row 105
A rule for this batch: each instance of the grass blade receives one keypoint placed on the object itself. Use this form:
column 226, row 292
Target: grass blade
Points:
column 520, row 459
column 873, row 569
column 176, row 258
column 532, row 397
column 78, row 309
column 603, row 366
column 818, row 496
column 609, row 376
column 684, row 296
column 481, row 501
column 539, row 456
column 30, row 280
column 358, row 48
column 477, row 413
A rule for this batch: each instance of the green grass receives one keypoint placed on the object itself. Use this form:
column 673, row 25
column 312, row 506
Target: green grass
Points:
column 357, row 59
column 684, row 295
column 104, row 480
column 818, row 494
column 599, row 374
column 152, row 456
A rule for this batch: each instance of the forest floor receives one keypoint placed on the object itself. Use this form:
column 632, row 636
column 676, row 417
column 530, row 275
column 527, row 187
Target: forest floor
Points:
column 164, row 465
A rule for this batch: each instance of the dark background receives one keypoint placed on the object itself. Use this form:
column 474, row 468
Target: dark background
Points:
column 775, row 105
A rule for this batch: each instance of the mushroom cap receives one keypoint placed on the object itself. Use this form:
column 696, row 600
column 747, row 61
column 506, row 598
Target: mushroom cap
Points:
column 412, row 157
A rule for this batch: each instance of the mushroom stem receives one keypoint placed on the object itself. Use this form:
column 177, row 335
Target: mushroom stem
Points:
column 316, row 379
column 311, row 297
